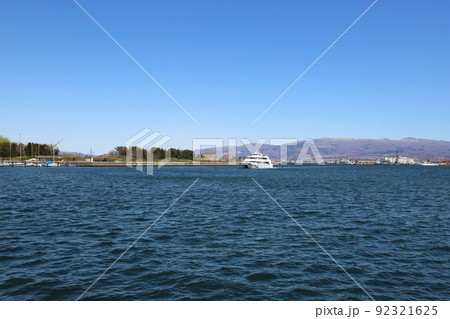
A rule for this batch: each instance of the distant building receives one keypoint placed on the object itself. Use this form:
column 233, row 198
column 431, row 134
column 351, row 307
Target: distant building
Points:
column 228, row 157
column 366, row 162
column 210, row 155
column 401, row 160
column 44, row 158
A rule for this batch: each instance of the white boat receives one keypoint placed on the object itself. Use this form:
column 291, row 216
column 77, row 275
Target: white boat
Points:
column 18, row 164
column 428, row 163
column 51, row 164
column 257, row 160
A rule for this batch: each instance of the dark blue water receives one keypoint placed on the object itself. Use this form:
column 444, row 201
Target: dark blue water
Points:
column 225, row 239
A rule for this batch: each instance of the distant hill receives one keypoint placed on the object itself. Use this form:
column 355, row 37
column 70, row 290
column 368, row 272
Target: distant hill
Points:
column 360, row 148
column 74, row 154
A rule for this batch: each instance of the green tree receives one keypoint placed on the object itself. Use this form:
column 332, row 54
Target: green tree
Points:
column 175, row 153
column 158, row 153
column 4, row 146
column 187, row 154
column 121, row 150
column 4, row 149
column 3, row 139
column 13, row 149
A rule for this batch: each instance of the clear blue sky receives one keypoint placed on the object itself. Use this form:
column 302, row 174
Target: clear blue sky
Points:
column 224, row 61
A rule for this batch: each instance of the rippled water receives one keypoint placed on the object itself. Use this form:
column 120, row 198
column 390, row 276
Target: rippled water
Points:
column 225, row 239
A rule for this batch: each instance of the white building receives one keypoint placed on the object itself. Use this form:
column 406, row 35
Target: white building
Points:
column 401, row 160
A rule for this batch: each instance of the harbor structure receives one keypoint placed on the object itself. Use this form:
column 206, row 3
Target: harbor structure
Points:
column 400, row 160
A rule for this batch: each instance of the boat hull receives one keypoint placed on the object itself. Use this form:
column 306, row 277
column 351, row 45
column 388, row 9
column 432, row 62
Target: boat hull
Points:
column 259, row 166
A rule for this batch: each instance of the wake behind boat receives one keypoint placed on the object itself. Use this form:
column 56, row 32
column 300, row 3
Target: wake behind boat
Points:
column 257, row 160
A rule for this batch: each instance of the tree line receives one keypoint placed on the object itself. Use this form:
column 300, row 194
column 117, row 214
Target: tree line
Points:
column 157, row 152
column 12, row 149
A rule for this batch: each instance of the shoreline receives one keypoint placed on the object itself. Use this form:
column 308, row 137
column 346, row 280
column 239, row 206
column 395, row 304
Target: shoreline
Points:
column 181, row 164
column 119, row 164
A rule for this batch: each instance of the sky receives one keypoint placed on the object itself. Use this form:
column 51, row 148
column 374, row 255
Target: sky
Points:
column 225, row 62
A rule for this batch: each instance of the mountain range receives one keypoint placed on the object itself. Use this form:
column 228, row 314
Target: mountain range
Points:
column 357, row 148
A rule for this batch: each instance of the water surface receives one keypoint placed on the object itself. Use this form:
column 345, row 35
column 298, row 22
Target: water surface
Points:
column 225, row 239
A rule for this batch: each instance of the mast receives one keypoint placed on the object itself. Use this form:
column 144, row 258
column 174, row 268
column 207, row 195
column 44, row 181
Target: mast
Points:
column 20, row 146
column 53, row 148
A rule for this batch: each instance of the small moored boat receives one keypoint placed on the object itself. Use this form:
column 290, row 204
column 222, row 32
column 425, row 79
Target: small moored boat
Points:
column 51, row 164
